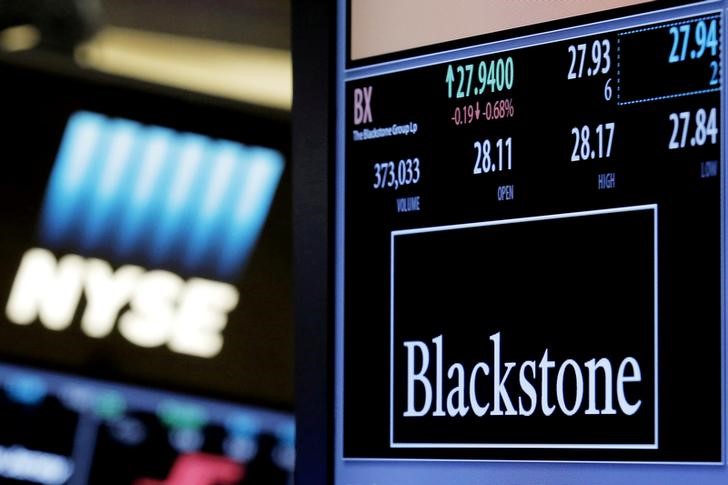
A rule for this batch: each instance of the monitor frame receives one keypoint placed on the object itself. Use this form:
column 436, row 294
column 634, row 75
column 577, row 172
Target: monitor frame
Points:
column 316, row 66
column 314, row 113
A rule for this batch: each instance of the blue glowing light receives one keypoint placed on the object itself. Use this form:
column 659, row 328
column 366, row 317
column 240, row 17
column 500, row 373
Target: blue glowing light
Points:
column 26, row 389
column 156, row 197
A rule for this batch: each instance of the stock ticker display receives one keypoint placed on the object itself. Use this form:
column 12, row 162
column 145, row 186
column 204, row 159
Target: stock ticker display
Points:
column 61, row 429
column 531, row 243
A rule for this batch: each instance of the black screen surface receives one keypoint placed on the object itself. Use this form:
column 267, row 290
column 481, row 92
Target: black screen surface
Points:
column 530, row 251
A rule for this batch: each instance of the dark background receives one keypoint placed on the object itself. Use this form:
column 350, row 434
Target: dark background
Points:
column 584, row 291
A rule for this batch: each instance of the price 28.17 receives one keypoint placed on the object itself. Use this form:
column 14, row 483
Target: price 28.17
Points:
column 592, row 142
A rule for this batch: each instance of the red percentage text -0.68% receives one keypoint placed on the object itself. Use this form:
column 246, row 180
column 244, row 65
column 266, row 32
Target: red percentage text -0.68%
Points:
column 496, row 110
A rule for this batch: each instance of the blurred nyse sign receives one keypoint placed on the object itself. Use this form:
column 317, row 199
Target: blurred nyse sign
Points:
column 146, row 230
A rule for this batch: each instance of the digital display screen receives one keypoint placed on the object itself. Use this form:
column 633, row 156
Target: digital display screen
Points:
column 530, row 282
column 58, row 429
column 145, row 327
column 146, row 237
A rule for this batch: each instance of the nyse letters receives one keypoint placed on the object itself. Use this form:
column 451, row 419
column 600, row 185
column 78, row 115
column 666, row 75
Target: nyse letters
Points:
column 151, row 308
